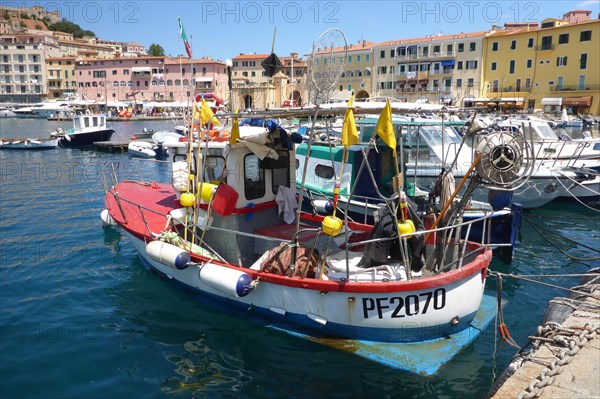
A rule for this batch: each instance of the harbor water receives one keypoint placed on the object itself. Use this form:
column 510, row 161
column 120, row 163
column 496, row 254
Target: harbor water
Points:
column 81, row 317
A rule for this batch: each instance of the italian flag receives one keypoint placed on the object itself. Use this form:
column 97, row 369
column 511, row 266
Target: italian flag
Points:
column 188, row 48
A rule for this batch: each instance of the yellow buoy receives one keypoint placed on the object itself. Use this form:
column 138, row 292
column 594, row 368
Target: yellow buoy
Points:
column 186, row 199
column 406, row 227
column 331, row 225
column 208, row 190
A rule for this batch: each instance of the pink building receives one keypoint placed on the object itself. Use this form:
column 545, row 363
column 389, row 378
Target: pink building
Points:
column 148, row 78
column 203, row 75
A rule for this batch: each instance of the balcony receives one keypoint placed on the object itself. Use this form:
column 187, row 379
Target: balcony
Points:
column 575, row 88
column 545, row 47
column 511, row 89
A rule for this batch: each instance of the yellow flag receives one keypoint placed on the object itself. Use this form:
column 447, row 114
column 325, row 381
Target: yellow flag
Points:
column 349, row 133
column 235, row 131
column 385, row 126
column 207, row 115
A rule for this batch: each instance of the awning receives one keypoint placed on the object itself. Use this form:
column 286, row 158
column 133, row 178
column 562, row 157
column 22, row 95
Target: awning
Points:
column 141, row 69
column 447, row 63
column 552, row 101
column 584, row 101
column 510, row 99
column 475, row 99
column 204, row 79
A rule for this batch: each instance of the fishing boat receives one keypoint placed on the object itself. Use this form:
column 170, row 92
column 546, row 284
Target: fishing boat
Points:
column 29, row 144
column 229, row 228
column 87, row 129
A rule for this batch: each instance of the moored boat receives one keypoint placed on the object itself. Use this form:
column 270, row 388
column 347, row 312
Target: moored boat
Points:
column 228, row 229
column 87, row 129
column 29, row 144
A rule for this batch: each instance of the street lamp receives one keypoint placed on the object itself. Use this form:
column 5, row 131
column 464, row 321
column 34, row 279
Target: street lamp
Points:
column 229, row 65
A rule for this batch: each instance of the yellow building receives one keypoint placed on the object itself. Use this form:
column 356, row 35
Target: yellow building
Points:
column 60, row 75
column 550, row 67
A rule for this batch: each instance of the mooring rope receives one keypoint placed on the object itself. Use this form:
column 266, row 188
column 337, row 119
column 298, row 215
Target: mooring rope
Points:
column 537, row 228
column 581, row 185
column 518, row 277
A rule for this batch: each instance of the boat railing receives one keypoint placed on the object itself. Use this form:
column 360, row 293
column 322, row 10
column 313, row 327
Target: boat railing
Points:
column 444, row 249
column 358, row 201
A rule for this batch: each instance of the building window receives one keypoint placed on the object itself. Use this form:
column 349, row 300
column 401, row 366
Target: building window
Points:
column 513, row 45
column 581, row 83
column 367, row 57
column 472, row 64
column 459, row 65
column 561, row 61
column 458, row 82
column 382, row 54
column 546, row 42
column 529, row 63
column 392, row 53
column 472, row 46
column 585, row 36
column 461, row 47
column 358, row 58
column 563, row 39
column 470, row 82
column 511, row 67
column 583, row 61
column 494, row 46
column 494, row 65
column 449, row 49
column 349, row 58
column 530, row 42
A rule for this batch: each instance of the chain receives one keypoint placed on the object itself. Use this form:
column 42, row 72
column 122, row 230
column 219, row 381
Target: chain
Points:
column 551, row 333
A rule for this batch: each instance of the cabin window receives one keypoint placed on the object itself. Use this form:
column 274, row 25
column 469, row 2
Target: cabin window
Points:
column 86, row 122
column 324, row 171
column 95, row 121
column 281, row 176
column 254, row 178
column 213, row 168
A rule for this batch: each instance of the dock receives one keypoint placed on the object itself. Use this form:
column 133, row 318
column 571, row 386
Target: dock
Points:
column 564, row 361
column 112, row 146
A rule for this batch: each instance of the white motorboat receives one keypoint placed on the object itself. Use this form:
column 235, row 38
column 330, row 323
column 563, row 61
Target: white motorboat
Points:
column 87, row 129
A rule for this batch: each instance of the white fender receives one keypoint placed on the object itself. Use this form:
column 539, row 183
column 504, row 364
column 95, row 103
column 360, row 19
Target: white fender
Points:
column 107, row 220
column 168, row 254
column 229, row 281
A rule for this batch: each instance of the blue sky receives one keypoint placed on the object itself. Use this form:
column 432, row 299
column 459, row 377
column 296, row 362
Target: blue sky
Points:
column 223, row 29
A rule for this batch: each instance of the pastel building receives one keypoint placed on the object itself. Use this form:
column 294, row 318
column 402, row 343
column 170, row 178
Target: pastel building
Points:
column 61, row 78
column 148, row 78
column 435, row 69
column 22, row 68
column 549, row 67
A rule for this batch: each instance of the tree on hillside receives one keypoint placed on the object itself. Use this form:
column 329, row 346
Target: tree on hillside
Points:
column 70, row 27
column 156, row 50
